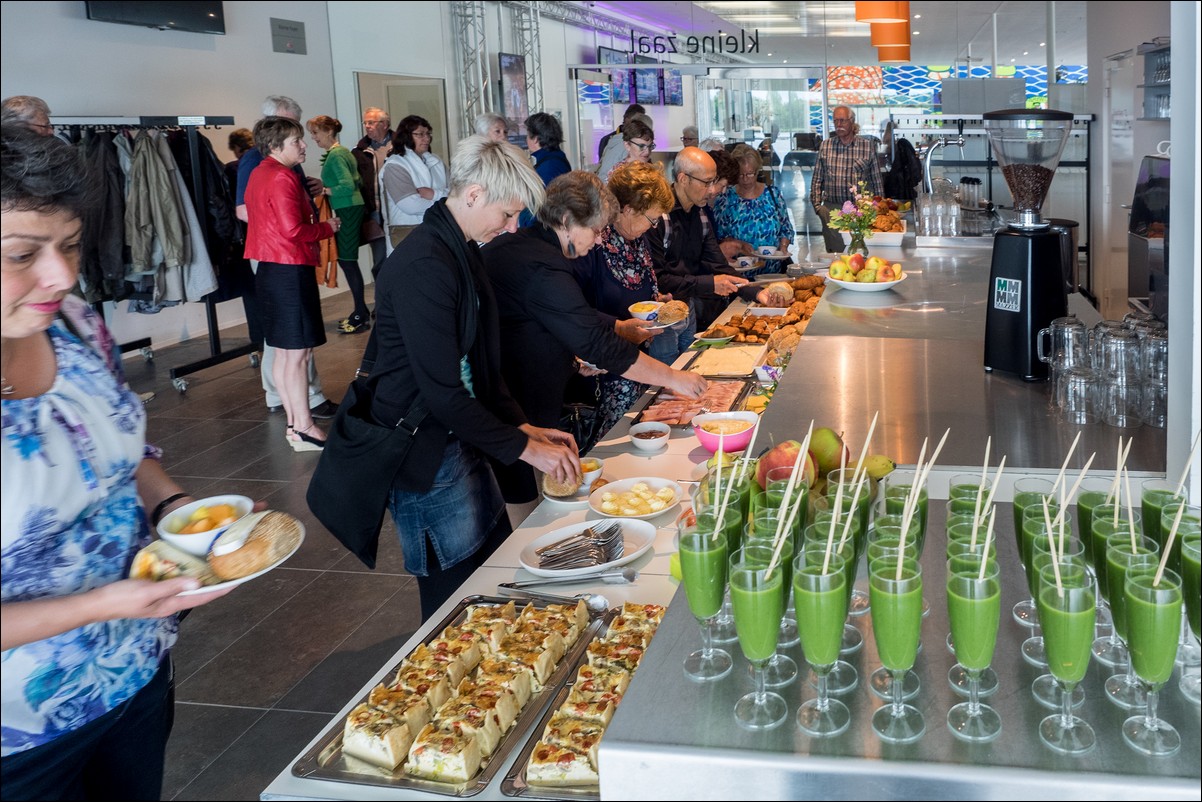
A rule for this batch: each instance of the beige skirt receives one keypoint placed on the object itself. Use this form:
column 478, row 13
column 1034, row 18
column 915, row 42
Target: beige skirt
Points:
column 398, row 233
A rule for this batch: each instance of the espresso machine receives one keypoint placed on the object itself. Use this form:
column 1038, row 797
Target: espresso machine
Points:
column 1026, row 279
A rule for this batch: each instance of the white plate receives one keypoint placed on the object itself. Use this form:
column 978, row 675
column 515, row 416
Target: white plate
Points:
column 774, row 256
column 579, row 497
column 872, row 286
column 623, row 485
column 232, row 583
column 637, row 536
column 713, row 340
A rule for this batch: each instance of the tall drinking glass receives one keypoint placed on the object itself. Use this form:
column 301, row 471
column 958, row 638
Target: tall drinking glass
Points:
column 707, row 499
column 1153, row 613
column 1122, row 552
column 1028, row 491
column 820, row 594
column 703, row 565
column 842, row 678
column 863, row 512
column 758, row 596
column 1093, row 493
column 974, row 604
column 1066, row 608
column 1191, row 589
column 781, row 669
column 880, row 682
column 850, row 542
column 1190, row 521
column 1154, row 495
column 898, row 487
column 1109, row 519
column 896, row 625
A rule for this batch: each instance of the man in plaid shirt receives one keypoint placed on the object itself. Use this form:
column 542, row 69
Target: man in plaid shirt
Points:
column 844, row 160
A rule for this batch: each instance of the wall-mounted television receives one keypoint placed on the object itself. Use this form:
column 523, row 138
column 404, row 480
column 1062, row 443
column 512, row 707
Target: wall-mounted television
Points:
column 514, row 107
column 673, row 88
column 646, row 83
column 199, row 16
column 623, row 80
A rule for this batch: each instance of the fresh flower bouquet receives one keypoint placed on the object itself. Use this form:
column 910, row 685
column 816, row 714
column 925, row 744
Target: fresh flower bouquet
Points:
column 856, row 217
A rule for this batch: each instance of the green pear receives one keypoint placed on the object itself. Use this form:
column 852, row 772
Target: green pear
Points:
column 827, row 448
column 866, row 276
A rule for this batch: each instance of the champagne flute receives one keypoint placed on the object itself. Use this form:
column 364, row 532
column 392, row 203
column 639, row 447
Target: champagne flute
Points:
column 820, row 593
column 707, row 498
column 1035, row 524
column 1029, row 491
column 852, row 549
column 1045, row 689
column 863, row 515
column 703, row 565
column 898, row 486
column 842, row 678
column 1066, row 607
column 887, row 547
column 1188, row 655
column 896, row 624
column 1109, row 519
column 1043, row 548
column 1092, row 494
column 974, row 604
column 1122, row 551
column 1153, row 616
column 758, row 596
column 960, row 545
column 1191, row 589
column 781, row 669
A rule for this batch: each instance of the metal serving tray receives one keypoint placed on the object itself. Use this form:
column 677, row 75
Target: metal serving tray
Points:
column 326, row 761
column 740, row 397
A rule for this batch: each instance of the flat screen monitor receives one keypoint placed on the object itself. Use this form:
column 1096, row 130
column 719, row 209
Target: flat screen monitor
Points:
column 646, row 83
column 623, row 80
column 673, row 88
column 514, row 107
column 199, row 16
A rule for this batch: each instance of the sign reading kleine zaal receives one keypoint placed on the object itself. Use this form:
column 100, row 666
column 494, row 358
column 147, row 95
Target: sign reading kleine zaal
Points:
column 694, row 45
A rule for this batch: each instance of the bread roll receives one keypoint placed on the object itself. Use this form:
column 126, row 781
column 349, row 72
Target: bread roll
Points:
column 265, row 538
column 672, row 312
column 557, row 489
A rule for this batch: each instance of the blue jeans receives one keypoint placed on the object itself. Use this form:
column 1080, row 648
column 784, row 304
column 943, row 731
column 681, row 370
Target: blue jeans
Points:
column 448, row 531
column 671, row 343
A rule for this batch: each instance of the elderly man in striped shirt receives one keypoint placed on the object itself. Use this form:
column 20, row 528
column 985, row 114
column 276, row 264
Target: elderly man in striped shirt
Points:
column 844, row 160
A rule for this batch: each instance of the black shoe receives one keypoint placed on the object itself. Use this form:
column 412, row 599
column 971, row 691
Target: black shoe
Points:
column 276, row 408
column 325, row 410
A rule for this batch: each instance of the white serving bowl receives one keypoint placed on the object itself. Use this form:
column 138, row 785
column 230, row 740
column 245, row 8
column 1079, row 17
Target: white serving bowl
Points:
column 199, row 543
column 645, row 310
column 648, row 443
column 591, row 476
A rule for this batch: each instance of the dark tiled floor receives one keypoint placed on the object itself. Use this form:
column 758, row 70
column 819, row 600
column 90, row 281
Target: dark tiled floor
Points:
column 260, row 672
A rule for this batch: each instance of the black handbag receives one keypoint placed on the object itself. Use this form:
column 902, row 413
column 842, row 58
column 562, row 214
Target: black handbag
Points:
column 349, row 489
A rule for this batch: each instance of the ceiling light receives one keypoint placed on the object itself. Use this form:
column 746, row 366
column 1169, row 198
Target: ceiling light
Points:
column 882, row 11
column 890, row 33
column 1043, row 44
column 893, row 54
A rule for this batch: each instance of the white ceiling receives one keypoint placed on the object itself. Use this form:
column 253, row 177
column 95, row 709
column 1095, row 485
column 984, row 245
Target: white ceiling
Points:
column 827, row 33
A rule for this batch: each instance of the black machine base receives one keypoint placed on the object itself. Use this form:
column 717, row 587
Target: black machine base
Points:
column 1026, row 293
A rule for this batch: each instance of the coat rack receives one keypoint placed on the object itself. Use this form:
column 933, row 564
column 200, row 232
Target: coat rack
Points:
column 190, row 124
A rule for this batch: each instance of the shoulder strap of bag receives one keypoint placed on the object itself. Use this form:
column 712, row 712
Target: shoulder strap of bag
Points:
column 417, row 413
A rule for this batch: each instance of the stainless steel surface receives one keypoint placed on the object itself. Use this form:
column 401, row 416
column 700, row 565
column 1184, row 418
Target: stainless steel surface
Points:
column 915, row 354
column 326, row 761
column 674, row 739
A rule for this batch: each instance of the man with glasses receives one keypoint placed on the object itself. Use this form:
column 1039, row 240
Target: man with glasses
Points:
column 30, row 110
column 688, row 262
column 370, row 154
column 844, row 160
column 688, row 137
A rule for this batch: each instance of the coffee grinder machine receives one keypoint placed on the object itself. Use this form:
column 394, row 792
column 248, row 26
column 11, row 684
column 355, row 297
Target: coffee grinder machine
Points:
column 1026, row 280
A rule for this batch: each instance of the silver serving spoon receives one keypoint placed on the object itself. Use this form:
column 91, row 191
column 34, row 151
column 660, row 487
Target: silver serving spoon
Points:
column 595, row 603
column 622, row 577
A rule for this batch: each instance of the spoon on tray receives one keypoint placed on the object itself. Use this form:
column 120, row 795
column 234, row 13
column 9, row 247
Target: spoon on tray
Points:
column 595, row 603
column 621, row 577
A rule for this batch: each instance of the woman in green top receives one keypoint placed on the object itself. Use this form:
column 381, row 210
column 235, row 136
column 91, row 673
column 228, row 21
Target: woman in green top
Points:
column 340, row 174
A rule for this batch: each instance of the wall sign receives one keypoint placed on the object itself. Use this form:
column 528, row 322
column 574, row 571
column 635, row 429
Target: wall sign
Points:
column 288, row 36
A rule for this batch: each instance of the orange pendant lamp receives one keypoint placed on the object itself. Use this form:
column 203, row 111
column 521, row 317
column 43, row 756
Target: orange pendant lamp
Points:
column 882, row 12
column 893, row 54
column 890, row 34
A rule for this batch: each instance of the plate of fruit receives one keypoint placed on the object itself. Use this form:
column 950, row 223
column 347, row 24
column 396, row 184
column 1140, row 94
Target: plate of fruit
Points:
column 858, row 274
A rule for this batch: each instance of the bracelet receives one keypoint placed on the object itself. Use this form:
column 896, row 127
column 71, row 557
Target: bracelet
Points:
column 162, row 506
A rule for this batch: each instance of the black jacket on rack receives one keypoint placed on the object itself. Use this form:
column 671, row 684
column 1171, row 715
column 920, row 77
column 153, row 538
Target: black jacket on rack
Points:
column 102, row 252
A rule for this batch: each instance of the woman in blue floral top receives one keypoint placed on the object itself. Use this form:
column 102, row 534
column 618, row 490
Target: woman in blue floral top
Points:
column 86, row 670
column 753, row 212
column 618, row 272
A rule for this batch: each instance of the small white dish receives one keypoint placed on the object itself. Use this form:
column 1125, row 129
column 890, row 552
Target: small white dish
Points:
column 648, row 443
column 198, row 543
column 772, row 254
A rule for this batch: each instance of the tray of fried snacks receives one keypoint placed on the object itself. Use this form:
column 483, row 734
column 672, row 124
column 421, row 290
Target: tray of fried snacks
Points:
column 722, row 395
column 559, row 760
column 445, row 719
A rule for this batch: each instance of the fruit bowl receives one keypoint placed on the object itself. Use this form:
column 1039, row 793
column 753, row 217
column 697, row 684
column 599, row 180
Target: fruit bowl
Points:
column 198, row 542
column 870, row 286
column 731, row 442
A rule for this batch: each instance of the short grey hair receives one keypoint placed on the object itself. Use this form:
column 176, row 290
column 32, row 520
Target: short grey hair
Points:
column 502, row 169
column 385, row 116
column 281, row 106
column 689, row 132
column 484, row 122
column 26, row 107
column 578, row 198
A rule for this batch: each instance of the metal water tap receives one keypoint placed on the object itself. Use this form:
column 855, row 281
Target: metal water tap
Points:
column 941, row 142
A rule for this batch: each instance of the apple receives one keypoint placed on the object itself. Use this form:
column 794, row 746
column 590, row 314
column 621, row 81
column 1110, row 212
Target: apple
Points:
column 840, row 271
column 875, row 263
column 867, row 275
column 827, row 448
column 856, row 263
column 886, row 273
column 784, row 455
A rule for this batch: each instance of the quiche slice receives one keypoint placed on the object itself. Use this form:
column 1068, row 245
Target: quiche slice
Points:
column 449, row 661
column 459, row 642
column 503, row 613
column 429, row 681
column 552, row 765
column 411, row 707
column 623, row 651
column 491, row 696
column 599, row 711
column 444, row 754
column 468, row 716
column 594, row 683
column 518, row 678
column 377, row 736
column 537, row 652
column 574, row 733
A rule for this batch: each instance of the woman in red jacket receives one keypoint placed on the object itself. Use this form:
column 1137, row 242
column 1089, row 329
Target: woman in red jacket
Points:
column 282, row 233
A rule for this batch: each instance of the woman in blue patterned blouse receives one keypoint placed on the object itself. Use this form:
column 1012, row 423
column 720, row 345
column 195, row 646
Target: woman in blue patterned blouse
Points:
column 87, row 693
column 752, row 212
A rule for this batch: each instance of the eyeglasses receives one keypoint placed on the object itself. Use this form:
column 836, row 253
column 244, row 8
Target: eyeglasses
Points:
column 707, row 182
column 654, row 221
column 643, row 145
column 752, row 174
column 838, row 120
column 688, row 139
column 372, row 122
column 42, row 127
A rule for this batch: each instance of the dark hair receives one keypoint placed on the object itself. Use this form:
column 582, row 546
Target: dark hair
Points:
column 404, row 133
column 728, row 168
column 241, row 140
column 631, row 110
column 272, row 132
column 41, row 173
column 324, row 122
column 637, row 128
column 546, row 129
column 578, row 198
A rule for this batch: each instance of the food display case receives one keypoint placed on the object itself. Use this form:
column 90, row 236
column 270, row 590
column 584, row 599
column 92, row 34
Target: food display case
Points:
column 1148, row 238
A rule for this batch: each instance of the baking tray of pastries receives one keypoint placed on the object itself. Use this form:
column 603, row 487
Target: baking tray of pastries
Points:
column 445, row 719
column 559, row 760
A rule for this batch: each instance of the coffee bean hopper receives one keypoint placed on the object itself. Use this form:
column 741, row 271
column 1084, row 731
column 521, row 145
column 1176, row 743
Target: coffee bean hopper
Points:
column 1026, row 281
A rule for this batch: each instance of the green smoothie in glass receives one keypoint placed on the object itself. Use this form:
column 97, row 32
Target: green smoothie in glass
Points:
column 1191, row 579
column 1103, row 525
column 1154, row 494
column 1067, row 621
column 1092, row 494
column 974, row 611
column 759, row 604
column 1119, row 554
column 896, row 614
column 1190, row 521
column 1153, row 621
column 821, row 606
column 1028, row 491
column 895, row 503
column 703, row 567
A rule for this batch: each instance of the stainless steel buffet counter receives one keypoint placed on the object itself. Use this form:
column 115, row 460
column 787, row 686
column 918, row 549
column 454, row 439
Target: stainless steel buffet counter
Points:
column 915, row 355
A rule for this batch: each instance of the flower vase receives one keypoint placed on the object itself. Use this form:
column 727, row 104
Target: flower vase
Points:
column 857, row 244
